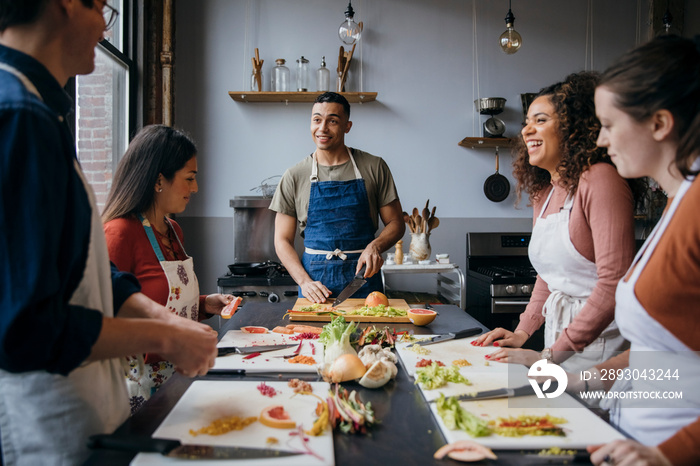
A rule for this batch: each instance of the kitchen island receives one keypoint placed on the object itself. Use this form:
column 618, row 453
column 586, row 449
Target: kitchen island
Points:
column 407, row 432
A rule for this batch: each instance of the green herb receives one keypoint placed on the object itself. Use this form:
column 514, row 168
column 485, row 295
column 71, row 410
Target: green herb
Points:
column 435, row 376
column 457, row 418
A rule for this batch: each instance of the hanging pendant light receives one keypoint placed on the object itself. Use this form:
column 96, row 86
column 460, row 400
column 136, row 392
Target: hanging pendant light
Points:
column 510, row 40
column 349, row 31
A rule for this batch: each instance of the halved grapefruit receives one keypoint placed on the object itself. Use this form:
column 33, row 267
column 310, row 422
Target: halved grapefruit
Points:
column 277, row 417
column 421, row 316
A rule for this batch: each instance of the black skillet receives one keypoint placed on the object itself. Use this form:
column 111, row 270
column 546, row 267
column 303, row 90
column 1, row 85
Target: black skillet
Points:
column 496, row 186
column 253, row 268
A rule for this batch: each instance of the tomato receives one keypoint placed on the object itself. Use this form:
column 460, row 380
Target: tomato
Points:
column 277, row 417
column 230, row 309
column 254, row 329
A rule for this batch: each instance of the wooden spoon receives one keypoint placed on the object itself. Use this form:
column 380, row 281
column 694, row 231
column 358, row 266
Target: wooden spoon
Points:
column 433, row 223
column 408, row 221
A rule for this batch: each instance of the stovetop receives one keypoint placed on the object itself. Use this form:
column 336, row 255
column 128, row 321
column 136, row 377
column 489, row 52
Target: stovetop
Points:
column 229, row 280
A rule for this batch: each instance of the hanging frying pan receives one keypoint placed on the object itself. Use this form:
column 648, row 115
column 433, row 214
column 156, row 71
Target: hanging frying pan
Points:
column 496, row 186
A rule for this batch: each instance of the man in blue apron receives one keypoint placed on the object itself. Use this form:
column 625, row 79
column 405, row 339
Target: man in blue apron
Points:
column 61, row 340
column 336, row 196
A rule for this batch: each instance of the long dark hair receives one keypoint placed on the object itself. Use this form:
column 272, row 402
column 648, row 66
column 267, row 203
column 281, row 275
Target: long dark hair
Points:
column 155, row 150
column 664, row 73
column 578, row 129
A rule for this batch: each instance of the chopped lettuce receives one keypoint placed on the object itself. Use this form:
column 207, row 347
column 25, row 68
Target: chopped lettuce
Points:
column 457, row 418
column 435, row 376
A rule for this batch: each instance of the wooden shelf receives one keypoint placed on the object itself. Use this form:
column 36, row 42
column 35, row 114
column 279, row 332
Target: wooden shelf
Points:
column 251, row 96
column 485, row 143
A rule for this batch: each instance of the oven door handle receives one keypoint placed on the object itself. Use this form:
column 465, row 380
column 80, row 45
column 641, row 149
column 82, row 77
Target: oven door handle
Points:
column 510, row 303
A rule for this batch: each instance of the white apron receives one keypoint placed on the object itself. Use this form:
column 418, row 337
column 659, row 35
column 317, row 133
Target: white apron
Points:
column 46, row 418
column 653, row 421
column 144, row 379
column 571, row 279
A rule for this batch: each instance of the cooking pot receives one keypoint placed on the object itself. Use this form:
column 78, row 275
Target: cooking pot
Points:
column 254, row 268
column 490, row 105
column 496, row 186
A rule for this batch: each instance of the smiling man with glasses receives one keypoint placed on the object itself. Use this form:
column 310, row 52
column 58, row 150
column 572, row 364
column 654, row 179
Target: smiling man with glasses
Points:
column 66, row 317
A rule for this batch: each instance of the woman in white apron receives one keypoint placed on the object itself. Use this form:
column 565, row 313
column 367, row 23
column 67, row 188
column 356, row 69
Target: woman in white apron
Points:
column 649, row 106
column 154, row 179
column 580, row 202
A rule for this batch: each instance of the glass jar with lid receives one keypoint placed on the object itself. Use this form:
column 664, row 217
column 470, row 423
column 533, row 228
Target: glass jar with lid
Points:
column 302, row 74
column 280, row 77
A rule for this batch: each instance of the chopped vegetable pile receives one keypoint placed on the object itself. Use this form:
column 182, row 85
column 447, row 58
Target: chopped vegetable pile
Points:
column 371, row 335
column 457, row 418
column 435, row 376
column 348, row 413
column 378, row 311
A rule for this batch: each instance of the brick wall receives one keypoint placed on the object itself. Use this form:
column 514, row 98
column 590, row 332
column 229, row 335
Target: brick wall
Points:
column 95, row 125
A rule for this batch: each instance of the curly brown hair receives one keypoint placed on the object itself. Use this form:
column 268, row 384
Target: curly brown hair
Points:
column 578, row 129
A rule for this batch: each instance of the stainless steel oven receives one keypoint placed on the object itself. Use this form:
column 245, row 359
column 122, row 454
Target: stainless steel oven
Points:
column 499, row 279
column 255, row 273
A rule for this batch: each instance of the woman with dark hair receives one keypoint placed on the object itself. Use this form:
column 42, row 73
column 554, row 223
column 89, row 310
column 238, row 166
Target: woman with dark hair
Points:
column 583, row 231
column 649, row 107
column 155, row 179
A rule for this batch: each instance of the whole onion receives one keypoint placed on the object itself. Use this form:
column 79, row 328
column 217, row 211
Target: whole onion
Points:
column 346, row 367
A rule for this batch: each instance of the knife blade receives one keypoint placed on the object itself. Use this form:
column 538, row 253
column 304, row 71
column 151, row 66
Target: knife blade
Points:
column 223, row 351
column 559, row 458
column 452, row 336
column 352, row 288
column 172, row 448
column 497, row 393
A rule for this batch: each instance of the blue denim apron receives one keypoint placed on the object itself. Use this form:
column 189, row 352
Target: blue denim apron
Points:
column 338, row 228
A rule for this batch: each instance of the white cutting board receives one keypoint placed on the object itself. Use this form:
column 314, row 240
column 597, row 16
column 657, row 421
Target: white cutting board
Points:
column 208, row 400
column 448, row 351
column 582, row 429
column 267, row 361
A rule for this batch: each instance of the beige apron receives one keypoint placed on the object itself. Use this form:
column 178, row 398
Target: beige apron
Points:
column 45, row 419
column 144, row 379
column 653, row 347
column 571, row 279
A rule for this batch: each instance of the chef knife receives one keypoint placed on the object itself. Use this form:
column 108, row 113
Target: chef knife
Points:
column 223, row 351
column 352, row 288
column 451, row 336
column 523, row 390
column 174, row 449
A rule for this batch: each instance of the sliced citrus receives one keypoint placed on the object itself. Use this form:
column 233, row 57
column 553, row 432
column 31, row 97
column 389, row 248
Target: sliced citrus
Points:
column 277, row 417
column 231, row 307
column 254, row 329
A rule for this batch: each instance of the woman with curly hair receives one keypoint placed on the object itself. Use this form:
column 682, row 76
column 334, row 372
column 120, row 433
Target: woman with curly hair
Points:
column 583, row 231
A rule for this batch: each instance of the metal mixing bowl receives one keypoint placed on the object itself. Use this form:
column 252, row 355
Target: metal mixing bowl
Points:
column 490, row 105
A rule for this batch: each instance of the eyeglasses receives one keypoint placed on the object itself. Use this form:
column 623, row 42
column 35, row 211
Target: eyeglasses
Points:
column 109, row 12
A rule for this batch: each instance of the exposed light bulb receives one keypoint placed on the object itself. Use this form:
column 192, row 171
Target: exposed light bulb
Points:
column 510, row 40
column 349, row 31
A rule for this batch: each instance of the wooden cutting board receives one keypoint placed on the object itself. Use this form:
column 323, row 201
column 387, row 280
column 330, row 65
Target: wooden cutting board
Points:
column 350, row 304
column 208, row 400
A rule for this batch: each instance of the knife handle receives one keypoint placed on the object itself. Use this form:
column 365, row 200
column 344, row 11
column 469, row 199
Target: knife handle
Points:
column 468, row 332
column 361, row 273
column 133, row 443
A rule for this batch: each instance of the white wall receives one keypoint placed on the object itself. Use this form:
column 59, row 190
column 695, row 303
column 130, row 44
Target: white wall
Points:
column 417, row 54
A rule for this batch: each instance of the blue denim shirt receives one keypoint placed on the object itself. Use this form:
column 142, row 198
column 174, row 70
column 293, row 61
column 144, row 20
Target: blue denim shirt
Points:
column 44, row 228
